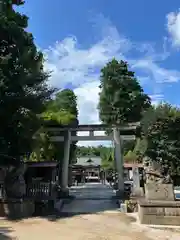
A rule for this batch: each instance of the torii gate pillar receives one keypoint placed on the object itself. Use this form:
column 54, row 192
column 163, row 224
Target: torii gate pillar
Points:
column 119, row 161
column 65, row 164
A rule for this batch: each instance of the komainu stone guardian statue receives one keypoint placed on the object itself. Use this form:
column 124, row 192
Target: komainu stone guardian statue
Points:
column 15, row 205
column 158, row 184
column 159, row 207
column 15, row 186
column 154, row 173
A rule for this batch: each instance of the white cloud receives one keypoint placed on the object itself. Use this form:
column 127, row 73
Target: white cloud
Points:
column 157, row 73
column 173, row 27
column 77, row 66
column 80, row 68
column 72, row 64
column 156, row 98
column 88, row 96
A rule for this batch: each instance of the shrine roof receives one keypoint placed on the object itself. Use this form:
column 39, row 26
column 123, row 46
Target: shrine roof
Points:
column 42, row 164
column 88, row 161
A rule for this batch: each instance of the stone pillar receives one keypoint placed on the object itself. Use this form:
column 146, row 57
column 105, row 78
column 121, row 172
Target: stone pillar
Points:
column 65, row 164
column 99, row 170
column 70, row 177
column 136, row 191
column 119, row 161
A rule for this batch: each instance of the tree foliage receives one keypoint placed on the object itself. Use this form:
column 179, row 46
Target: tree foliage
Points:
column 161, row 111
column 122, row 99
column 108, row 160
column 131, row 157
column 105, row 153
column 83, row 151
column 163, row 137
column 23, row 83
column 140, row 148
column 62, row 111
column 65, row 100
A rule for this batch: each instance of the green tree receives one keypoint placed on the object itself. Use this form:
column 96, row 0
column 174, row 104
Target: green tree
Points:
column 107, row 156
column 130, row 157
column 122, row 99
column 43, row 148
column 98, row 151
column 163, row 138
column 161, row 111
column 65, row 100
column 140, row 148
column 23, row 83
column 128, row 146
column 62, row 111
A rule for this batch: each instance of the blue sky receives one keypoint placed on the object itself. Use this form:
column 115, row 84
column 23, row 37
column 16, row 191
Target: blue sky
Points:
column 79, row 37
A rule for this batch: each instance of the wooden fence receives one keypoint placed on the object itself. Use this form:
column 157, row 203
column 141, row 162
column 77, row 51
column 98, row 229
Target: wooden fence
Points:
column 39, row 190
column 35, row 191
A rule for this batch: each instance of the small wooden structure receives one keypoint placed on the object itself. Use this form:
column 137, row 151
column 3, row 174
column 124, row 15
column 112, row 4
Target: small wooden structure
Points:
column 41, row 178
column 41, row 190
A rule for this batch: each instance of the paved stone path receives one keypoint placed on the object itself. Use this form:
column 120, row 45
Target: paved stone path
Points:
column 91, row 198
column 93, row 190
column 104, row 221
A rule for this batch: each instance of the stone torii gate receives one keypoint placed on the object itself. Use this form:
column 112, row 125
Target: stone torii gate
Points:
column 119, row 134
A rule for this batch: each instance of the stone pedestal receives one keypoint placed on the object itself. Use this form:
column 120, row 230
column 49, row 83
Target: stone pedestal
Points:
column 138, row 193
column 159, row 206
column 159, row 212
column 155, row 191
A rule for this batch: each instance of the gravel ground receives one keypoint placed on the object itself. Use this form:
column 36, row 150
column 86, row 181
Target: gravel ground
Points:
column 101, row 226
column 103, row 222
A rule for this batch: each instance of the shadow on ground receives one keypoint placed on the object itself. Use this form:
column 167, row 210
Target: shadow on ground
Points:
column 74, row 207
column 77, row 206
column 101, row 208
column 87, row 199
column 56, row 217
